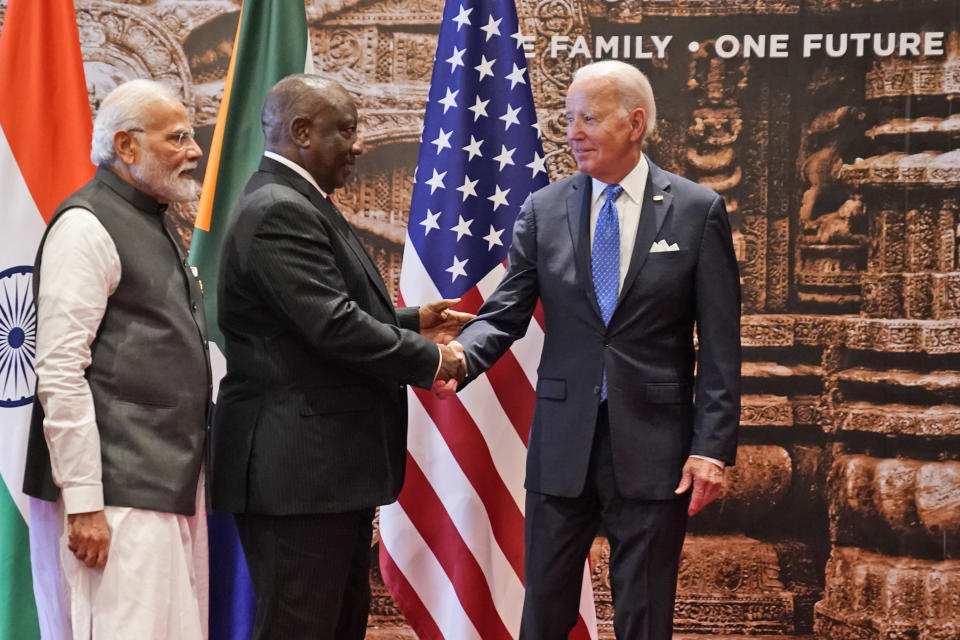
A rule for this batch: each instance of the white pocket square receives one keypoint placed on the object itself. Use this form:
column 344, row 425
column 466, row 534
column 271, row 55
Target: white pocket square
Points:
column 662, row 245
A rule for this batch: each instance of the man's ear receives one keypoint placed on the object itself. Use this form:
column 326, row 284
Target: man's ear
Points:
column 638, row 124
column 300, row 131
column 126, row 147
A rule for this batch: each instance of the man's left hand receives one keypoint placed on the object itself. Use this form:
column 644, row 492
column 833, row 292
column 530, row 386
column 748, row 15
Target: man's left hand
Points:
column 707, row 480
column 440, row 323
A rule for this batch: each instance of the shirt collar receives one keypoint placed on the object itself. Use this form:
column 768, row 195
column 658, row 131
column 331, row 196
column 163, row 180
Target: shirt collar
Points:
column 303, row 173
column 633, row 183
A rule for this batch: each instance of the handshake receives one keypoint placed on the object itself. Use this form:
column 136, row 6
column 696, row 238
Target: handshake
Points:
column 442, row 325
column 453, row 370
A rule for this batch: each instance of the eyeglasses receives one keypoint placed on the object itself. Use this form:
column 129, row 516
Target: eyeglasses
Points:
column 179, row 138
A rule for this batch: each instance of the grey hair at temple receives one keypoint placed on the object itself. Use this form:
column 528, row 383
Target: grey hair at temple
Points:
column 122, row 110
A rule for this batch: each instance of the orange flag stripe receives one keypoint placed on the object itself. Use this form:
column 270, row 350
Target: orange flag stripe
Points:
column 205, row 207
column 44, row 107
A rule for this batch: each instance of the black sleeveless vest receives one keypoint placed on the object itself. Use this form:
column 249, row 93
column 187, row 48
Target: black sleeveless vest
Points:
column 150, row 368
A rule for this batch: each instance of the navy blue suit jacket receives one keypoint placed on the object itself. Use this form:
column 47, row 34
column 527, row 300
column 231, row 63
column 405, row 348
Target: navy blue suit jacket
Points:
column 647, row 350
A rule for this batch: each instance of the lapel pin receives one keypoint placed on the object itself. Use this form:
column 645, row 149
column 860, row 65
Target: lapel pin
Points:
column 657, row 198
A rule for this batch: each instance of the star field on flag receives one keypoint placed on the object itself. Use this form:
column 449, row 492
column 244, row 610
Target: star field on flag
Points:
column 481, row 154
column 451, row 546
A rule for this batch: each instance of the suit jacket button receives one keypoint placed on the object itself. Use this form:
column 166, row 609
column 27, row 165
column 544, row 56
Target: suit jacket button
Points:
column 596, row 390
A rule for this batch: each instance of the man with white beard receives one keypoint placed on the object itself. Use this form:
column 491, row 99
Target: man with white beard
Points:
column 123, row 381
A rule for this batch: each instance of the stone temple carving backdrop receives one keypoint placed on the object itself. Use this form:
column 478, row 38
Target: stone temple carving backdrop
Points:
column 841, row 174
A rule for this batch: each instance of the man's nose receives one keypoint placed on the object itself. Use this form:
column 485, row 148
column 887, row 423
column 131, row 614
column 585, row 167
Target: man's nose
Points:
column 358, row 147
column 194, row 151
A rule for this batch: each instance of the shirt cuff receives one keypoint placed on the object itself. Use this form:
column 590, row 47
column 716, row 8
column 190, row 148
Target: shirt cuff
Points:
column 83, row 499
column 719, row 463
column 439, row 363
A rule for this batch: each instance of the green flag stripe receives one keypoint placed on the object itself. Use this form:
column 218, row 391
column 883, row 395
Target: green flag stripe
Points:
column 18, row 615
column 271, row 44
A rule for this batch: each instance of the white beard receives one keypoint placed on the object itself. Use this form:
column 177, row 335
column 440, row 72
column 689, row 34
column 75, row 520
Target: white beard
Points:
column 168, row 186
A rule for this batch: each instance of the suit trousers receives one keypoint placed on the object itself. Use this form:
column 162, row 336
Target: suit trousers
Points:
column 310, row 574
column 645, row 538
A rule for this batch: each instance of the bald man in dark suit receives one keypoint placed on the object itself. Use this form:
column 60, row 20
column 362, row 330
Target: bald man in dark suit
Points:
column 310, row 429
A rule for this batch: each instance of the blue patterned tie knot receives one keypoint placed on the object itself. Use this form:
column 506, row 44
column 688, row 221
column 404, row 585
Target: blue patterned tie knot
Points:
column 605, row 260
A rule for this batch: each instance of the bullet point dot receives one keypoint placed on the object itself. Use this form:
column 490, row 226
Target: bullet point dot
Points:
column 693, row 46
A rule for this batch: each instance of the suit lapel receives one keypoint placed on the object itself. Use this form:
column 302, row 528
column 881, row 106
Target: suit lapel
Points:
column 578, row 221
column 657, row 202
column 340, row 224
column 350, row 237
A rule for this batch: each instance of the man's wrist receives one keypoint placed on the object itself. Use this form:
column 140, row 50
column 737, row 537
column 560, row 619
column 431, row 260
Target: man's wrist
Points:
column 83, row 499
column 439, row 362
column 719, row 463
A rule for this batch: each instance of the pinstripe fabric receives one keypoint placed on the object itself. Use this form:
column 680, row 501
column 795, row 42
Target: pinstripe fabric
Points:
column 311, row 421
column 312, row 411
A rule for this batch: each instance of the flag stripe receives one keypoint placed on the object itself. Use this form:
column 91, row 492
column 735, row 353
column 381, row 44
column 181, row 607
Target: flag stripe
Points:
column 18, row 615
column 272, row 42
column 205, row 206
column 426, row 577
column 465, row 509
column 582, row 631
column 426, row 627
column 507, row 450
column 427, row 514
column 41, row 66
column 45, row 131
column 507, row 380
column 467, row 445
column 470, row 301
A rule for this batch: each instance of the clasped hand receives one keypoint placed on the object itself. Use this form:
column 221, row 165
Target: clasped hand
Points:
column 453, row 368
column 442, row 324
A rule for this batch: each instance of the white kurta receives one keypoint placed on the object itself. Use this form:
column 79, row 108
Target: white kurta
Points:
column 155, row 584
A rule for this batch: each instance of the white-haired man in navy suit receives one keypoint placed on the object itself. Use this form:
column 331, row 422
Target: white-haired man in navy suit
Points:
column 627, row 259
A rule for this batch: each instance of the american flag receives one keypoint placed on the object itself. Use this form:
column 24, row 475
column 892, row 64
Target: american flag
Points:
column 451, row 547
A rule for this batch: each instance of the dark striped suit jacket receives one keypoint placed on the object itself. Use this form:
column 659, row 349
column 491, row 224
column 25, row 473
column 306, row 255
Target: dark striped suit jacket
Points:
column 311, row 416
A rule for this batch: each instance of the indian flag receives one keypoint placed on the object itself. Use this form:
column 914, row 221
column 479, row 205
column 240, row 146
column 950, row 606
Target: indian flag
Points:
column 45, row 131
column 272, row 42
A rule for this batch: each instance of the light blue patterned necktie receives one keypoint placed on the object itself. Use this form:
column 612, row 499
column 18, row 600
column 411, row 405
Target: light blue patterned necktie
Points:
column 605, row 261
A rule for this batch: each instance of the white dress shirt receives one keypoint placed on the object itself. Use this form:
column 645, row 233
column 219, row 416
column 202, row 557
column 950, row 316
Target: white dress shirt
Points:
column 628, row 204
column 293, row 166
column 79, row 271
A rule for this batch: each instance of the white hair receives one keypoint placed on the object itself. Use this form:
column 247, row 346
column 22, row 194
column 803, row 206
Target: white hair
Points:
column 633, row 87
column 122, row 110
